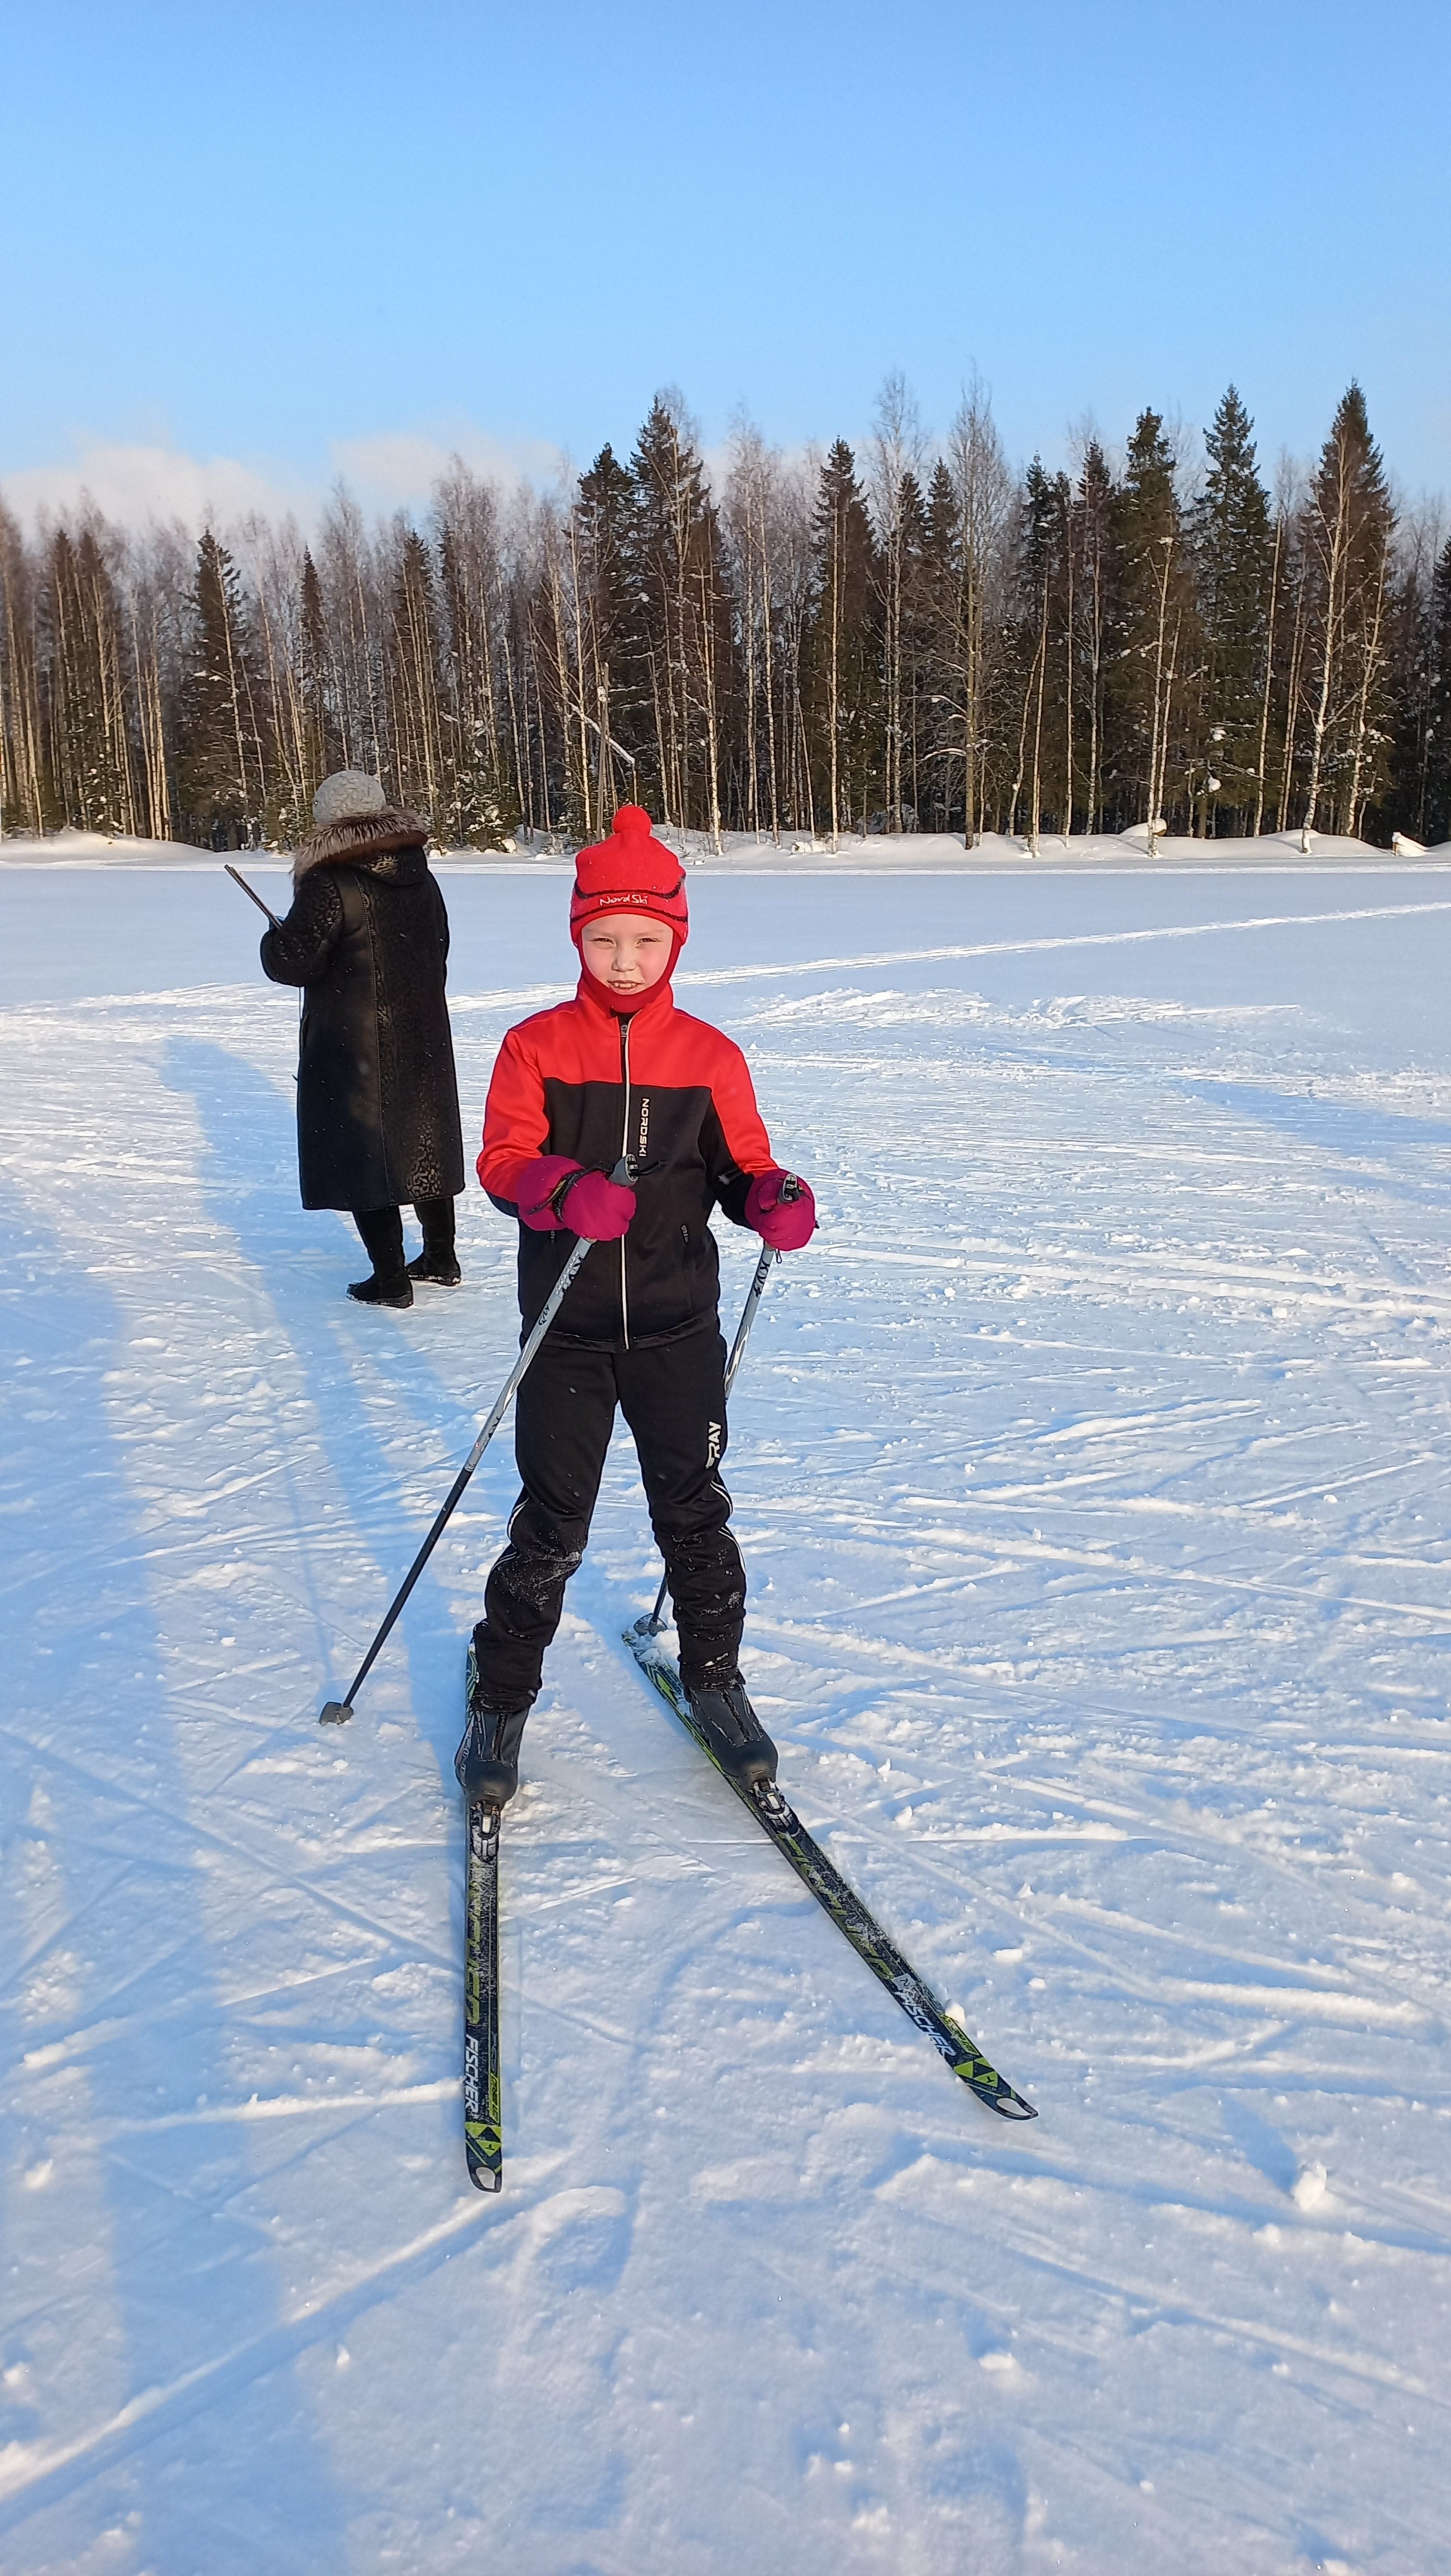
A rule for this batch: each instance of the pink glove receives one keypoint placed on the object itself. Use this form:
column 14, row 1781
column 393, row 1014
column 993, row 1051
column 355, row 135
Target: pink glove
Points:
column 558, row 1196
column 786, row 1224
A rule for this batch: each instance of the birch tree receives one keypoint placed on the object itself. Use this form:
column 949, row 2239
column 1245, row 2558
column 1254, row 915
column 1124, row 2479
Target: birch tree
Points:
column 975, row 652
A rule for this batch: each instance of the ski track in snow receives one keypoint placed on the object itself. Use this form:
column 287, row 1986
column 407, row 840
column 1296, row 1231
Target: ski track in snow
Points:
column 1091, row 1475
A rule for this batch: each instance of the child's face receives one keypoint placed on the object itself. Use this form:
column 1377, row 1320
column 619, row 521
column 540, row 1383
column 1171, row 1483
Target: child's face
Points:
column 627, row 951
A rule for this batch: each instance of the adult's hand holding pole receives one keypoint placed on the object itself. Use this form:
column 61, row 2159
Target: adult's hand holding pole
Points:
column 238, row 879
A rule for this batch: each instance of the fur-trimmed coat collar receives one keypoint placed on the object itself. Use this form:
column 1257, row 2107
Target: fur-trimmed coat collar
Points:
column 358, row 838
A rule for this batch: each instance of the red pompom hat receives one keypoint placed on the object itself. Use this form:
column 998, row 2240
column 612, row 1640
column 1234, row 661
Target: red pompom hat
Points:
column 630, row 872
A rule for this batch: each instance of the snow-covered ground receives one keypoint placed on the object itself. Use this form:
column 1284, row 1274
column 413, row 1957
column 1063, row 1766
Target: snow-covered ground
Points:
column 1091, row 1471
column 909, row 853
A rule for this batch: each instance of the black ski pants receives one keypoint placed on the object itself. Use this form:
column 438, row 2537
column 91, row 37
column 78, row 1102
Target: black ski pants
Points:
column 382, row 1233
column 672, row 1395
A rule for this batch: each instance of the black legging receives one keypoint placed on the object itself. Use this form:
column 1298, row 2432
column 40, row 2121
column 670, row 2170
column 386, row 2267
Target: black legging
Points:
column 382, row 1233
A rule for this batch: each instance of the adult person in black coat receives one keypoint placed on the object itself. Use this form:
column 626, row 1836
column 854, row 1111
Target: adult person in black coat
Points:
column 377, row 1097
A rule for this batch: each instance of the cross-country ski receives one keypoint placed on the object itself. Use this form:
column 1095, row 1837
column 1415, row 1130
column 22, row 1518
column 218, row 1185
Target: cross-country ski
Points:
column 483, row 2112
column 776, row 1817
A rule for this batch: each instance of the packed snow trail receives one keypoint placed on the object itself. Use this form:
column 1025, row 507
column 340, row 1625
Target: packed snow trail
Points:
column 1091, row 1480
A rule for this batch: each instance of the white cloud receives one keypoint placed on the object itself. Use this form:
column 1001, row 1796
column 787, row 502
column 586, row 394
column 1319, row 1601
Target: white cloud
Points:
column 393, row 471
column 397, row 470
column 137, row 484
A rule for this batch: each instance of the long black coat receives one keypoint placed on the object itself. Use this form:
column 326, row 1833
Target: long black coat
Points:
column 377, row 1096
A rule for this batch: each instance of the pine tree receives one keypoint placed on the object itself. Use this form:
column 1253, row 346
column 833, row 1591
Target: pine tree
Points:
column 938, row 750
column 677, row 568
column 614, row 677
column 914, row 658
column 1437, row 808
column 1233, row 556
column 221, row 754
column 1346, row 533
column 1043, row 662
column 321, row 753
column 1418, row 798
column 1093, row 552
column 291, row 631
column 1151, row 634
column 845, row 647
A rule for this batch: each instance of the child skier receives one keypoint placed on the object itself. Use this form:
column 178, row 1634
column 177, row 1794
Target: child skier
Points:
column 620, row 1076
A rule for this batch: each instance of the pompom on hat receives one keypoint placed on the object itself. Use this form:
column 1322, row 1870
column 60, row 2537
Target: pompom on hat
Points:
column 630, row 872
column 346, row 797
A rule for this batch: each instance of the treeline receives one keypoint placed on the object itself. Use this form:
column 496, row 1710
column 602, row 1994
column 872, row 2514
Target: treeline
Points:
column 905, row 639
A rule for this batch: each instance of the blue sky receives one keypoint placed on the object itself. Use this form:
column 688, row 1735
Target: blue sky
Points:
column 289, row 238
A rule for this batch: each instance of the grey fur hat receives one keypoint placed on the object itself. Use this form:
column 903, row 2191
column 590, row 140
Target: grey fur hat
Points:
column 348, row 794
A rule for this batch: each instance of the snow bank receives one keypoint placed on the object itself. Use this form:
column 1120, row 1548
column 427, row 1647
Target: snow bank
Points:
column 798, row 853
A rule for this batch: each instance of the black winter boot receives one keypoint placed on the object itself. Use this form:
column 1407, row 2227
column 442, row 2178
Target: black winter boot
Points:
column 437, row 1264
column 382, row 1233
column 435, row 1269
column 382, row 1292
column 735, row 1736
column 486, row 1764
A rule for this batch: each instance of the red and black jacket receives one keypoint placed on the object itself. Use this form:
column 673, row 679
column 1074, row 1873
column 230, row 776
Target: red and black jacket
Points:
column 672, row 1093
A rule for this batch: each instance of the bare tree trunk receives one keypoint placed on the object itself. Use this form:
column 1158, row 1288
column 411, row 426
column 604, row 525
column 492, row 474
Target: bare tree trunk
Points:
column 981, row 483
column 768, row 623
column 1331, row 548
column 833, row 686
column 20, row 769
column 153, row 740
column 1370, row 672
column 1157, row 791
column 593, row 809
column 1017, row 788
column 1259, row 812
column 1040, row 661
column 1068, row 644
column 1158, row 729
column 1292, row 701
column 708, row 695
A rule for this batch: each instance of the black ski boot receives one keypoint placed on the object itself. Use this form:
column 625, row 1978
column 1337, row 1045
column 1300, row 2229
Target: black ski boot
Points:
column 486, row 1764
column 382, row 1292
column 734, row 1734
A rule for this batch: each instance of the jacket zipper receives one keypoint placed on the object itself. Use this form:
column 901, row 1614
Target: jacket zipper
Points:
column 624, row 1151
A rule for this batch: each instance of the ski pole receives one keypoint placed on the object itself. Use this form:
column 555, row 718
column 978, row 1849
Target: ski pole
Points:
column 338, row 1711
column 237, row 877
column 790, row 1189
